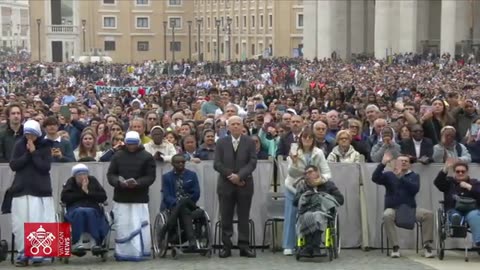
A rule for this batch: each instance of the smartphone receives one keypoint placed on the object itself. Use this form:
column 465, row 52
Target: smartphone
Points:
column 294, row 148
column 474, row 129
column 65, row 111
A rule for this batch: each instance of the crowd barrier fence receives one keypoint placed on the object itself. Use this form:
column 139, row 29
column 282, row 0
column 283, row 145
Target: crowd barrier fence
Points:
column 360, row 216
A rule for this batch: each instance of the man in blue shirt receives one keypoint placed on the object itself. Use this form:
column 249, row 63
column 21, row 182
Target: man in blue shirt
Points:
column 181, row 191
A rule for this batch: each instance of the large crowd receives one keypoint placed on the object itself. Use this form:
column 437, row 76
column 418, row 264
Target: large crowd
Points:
column 420, row 107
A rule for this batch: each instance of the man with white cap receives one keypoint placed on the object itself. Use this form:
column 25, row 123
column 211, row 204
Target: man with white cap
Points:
column 31, row 188
column 159, row 148
column 132, row 171
column 82, row 194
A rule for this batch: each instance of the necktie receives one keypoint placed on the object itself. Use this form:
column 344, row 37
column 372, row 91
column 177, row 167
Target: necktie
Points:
column 235, row 145
column 295, row 138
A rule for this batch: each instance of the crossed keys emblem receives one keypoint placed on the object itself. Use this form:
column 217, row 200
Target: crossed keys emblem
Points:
column 41, row 239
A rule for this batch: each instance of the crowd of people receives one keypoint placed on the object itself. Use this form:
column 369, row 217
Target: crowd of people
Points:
column 417, row 108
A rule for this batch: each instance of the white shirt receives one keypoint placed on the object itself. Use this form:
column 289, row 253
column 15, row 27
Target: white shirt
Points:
column 167, row 149
column 418, row 145
column 235, row 141
column 241, row 112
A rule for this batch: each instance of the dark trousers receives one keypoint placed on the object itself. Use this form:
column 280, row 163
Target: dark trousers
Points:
column 182, row 213
column 233, row 198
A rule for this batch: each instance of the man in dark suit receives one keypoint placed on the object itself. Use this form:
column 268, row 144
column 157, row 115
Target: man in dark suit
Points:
column 418, row 148
column 235, row 160
column 291, row 137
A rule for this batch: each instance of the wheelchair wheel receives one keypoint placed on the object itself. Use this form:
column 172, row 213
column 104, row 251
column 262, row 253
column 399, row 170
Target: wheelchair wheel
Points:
column 336, row 241
column 297, row 256
column 3, row 250
column 441, row 233
column 104, row 256
column 160, row 246
column 174, row 253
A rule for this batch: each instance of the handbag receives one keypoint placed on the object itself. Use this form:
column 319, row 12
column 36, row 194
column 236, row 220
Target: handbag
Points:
column 405, row 216
column 464, row 204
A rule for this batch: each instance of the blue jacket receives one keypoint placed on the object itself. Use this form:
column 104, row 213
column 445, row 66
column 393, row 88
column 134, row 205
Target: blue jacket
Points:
column 397, row 191
column 169, row 187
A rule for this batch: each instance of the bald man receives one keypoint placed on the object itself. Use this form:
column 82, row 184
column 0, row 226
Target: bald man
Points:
column 235, row 161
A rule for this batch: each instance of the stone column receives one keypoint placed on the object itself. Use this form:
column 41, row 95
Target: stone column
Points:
column 408, row 26
column 382, row 33
column 310, row 33
column 447, row 36
column 325, row 36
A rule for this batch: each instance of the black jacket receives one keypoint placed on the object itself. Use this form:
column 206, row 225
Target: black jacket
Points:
column 32, row 170
column 426, row 148
column 74, row 196
column 138, row 165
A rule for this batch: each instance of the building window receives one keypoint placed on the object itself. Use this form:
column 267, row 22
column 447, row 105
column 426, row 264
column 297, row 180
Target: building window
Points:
column 196, row 46
column 236, row 48
column 244, row 21
column 253, row 49
column 299, row 20
column 143, row 22
column 261, row 21
column 143, row 2
column 270, row 20
column 208, row 22
column 253, row 21
column 175, row 46
column 222, row 47
column 109, row 22
column 177, row 21
column 109, row 2
column 109, row 46
column 174, row 2
column 237, row 21
column 208, row 46
column 143, row 46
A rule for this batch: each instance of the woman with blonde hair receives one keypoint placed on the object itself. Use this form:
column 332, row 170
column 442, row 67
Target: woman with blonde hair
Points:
column 87, row 149
column 301, row 156
column 344, row 151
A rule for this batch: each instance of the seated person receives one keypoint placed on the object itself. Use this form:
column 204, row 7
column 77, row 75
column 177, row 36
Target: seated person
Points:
column 181, row 191
column 82, row 194
column 315, row 196
column 448, row 147
column 460, row 186
column 418, row 148
column 401, row 186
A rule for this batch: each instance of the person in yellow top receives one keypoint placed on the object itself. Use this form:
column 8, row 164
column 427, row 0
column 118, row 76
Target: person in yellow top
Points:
column 139, row 125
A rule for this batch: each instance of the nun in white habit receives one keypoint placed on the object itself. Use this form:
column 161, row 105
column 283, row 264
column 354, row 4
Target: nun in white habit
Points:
column 31, row 189
column 132, row 171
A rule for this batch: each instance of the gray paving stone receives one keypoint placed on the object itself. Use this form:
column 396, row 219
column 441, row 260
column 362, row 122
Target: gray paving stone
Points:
column 349, row 260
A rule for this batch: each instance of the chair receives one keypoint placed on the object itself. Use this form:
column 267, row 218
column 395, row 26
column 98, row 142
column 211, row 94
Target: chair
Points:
column 275, row 214
column 419, row 230
column 218, row 234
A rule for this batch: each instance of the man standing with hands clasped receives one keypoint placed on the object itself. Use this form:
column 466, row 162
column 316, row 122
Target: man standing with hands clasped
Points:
column 235, row 161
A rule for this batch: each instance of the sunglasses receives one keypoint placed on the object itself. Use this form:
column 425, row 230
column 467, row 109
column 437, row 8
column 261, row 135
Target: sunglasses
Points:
column 119, row 138
column 460, row 171
column 116, row 129
column 152, row 119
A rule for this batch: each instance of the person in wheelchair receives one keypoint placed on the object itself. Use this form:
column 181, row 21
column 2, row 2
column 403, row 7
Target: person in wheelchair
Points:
column 181, row 191
column 461, row 196
column 82, row 194
column 315, row 198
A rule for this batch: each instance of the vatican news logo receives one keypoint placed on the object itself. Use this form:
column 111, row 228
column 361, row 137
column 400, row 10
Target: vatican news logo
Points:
column 47, row 240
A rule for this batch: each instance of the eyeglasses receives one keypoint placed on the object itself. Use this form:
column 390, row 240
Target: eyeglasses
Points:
column 321, row 128
column 116, row 129
column 152, row 119
column 120, row 139
column 460, row 171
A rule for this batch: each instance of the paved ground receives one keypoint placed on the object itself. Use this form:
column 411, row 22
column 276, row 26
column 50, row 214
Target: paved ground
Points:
column 349, row 260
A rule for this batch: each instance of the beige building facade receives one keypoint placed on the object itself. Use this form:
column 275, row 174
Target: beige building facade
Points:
column 15, row 26
column 137, row 30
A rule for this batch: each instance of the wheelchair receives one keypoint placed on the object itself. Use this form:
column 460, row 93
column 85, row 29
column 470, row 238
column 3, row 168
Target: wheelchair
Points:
column 330, row 247
column 176, row 241
column 445, row 230
column 3, row 248
column 85, row 238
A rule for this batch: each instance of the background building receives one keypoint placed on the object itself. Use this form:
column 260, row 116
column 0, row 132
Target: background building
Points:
column 134, row 30
column 385, row 27
column 126, row 30
column 15, row 26
column 241, row 29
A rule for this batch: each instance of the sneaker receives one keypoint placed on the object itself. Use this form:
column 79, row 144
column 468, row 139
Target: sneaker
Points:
column 396, row 252
column 428, row 251
column 288, row 252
